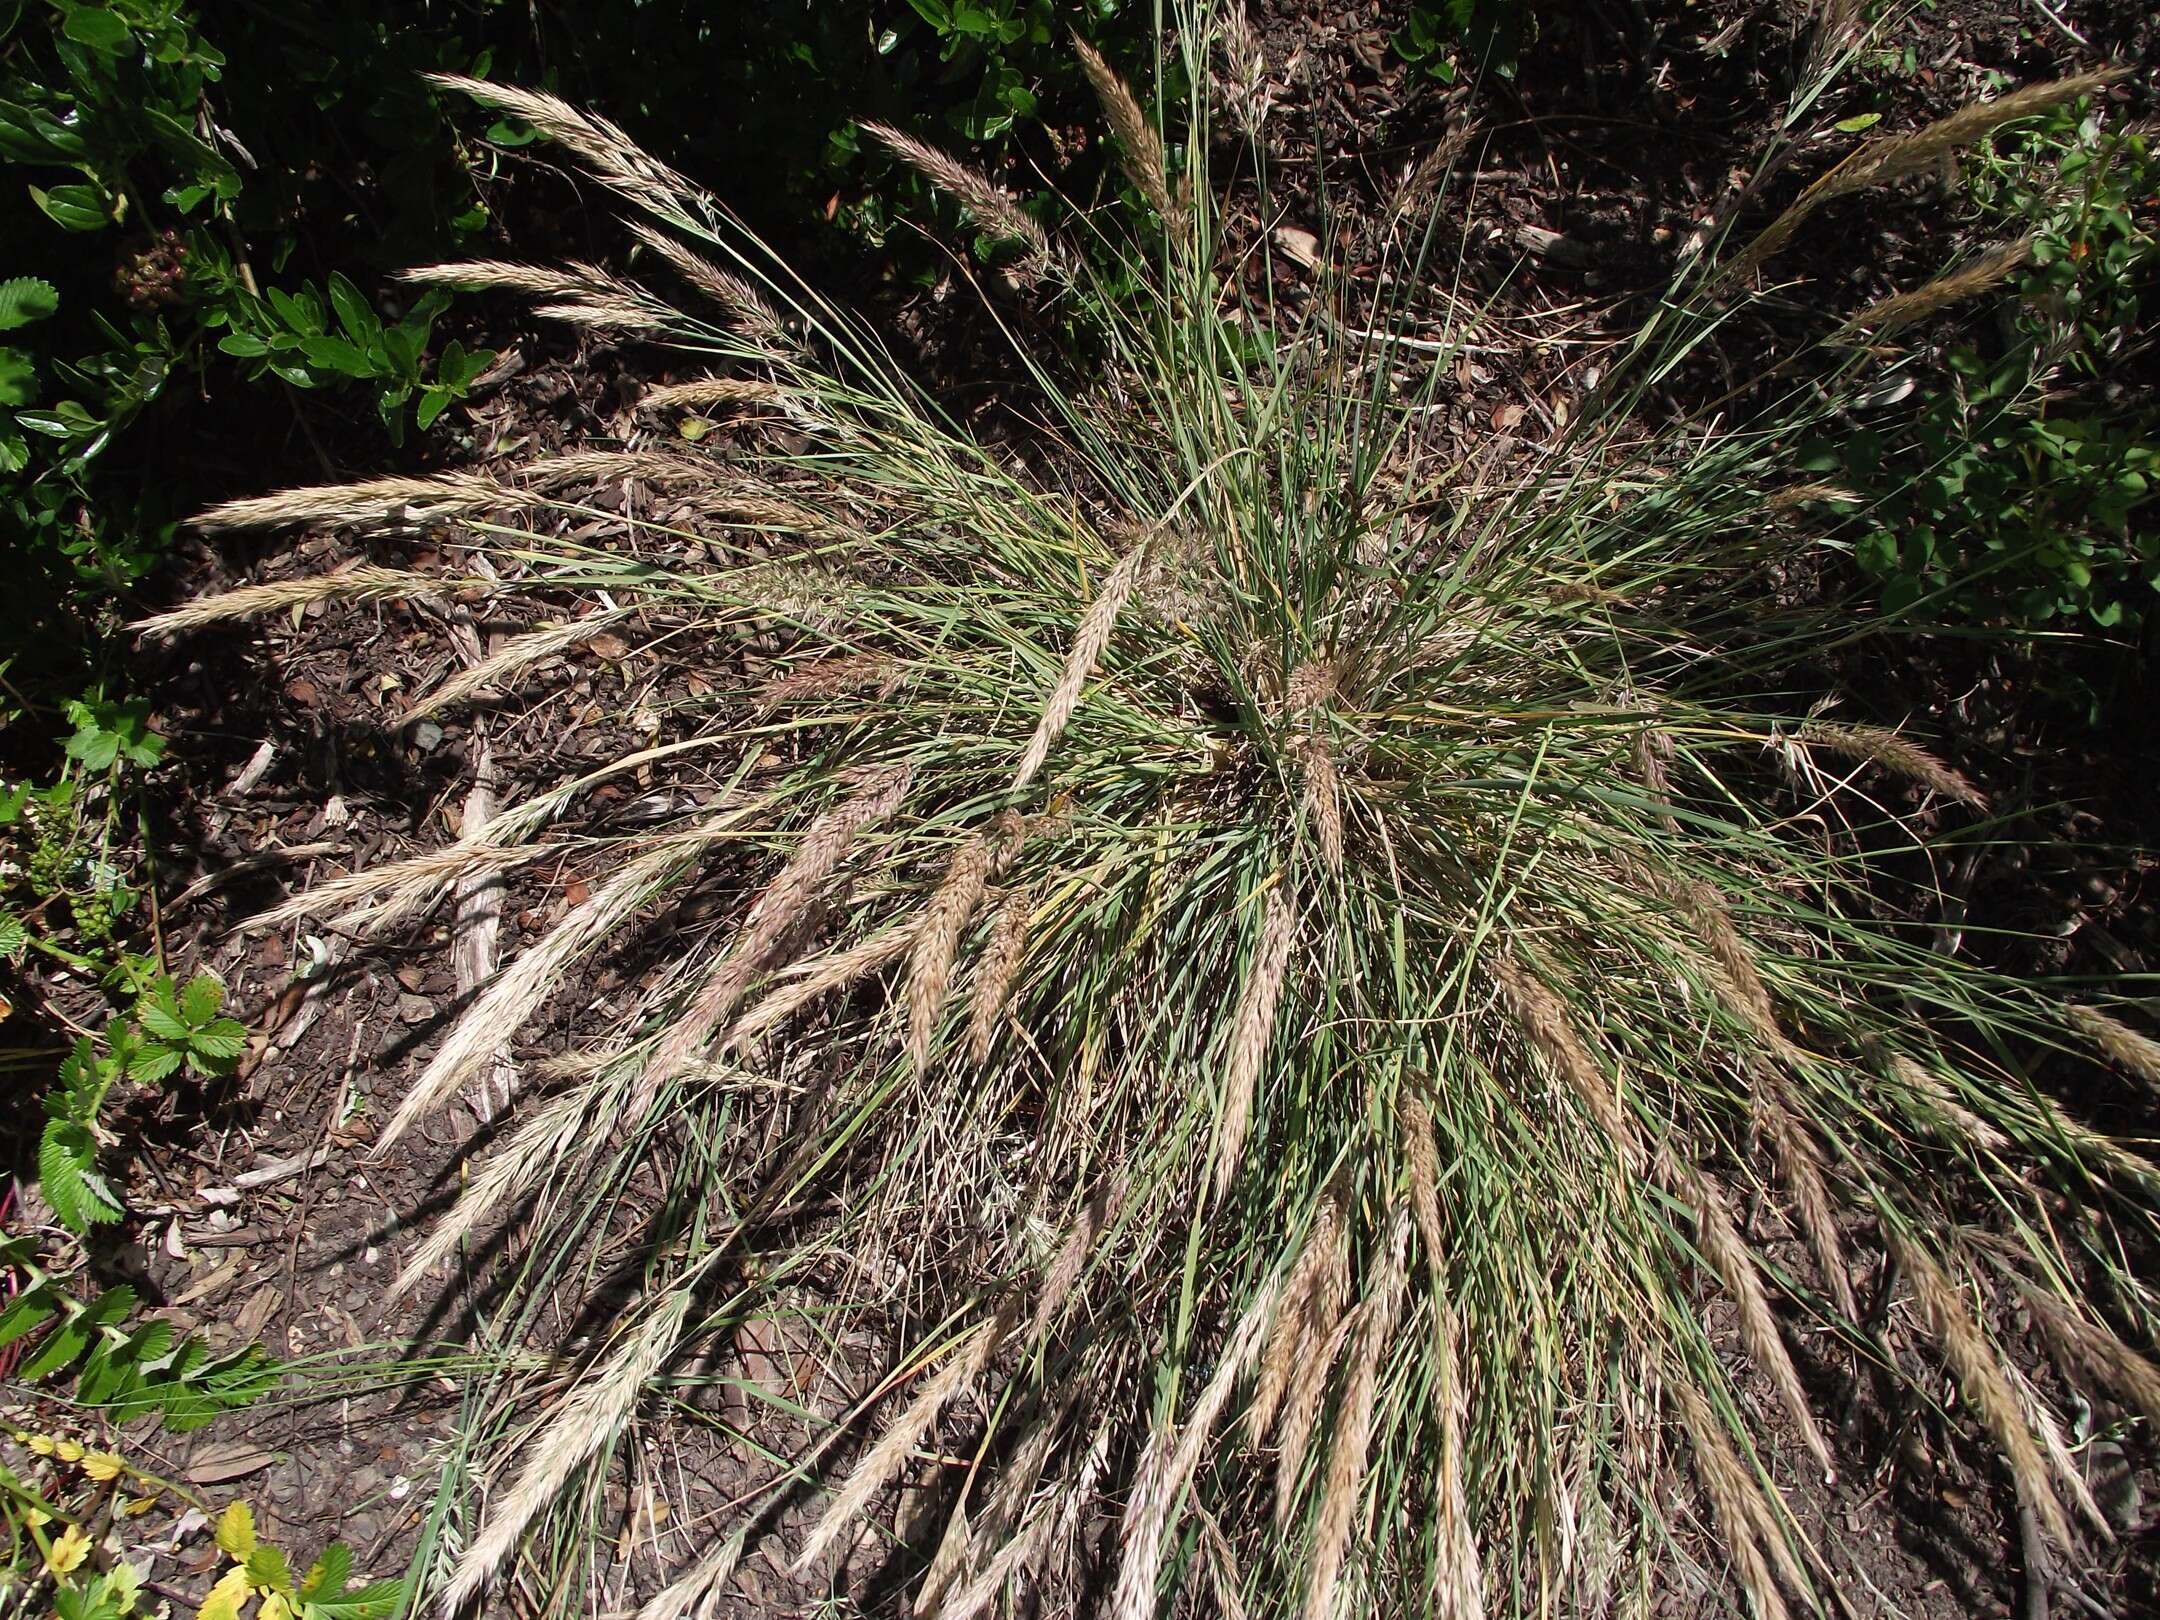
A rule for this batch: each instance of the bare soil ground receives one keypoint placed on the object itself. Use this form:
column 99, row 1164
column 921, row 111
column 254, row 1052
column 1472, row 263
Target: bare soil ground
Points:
column 263, row 1213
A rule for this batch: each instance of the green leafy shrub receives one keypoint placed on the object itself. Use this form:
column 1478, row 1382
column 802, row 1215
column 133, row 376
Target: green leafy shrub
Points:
column 2011, row 490
column 1277, row 962
column 115, row 1364
column 66, row 1516
column 1481, row 36
column 171, row 1029
column 262, row 1576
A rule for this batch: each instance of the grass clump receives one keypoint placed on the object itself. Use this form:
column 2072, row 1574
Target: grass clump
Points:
column 1287, row 963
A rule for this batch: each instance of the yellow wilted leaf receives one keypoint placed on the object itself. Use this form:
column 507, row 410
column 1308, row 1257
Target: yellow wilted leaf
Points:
column 42, row 1444
column 236, row 1531
column 227, row 1597
column 138, row 1506
column 65, row 1556
column 124, row 1586
column 68, row 1451
column 274, row 1607
column 102, row 1466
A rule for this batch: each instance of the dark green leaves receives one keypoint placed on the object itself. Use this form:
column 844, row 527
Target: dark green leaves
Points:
column 73, row 207
column 69, row 1179
column 187, row 1026
column 108, row 732
column 26, row 299
column 126, row 1371
column 97, row 28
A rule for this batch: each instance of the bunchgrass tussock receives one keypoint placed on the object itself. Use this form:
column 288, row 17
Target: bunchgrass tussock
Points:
column 1288, row 969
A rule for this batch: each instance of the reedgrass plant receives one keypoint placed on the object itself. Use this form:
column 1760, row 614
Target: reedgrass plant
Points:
column 1329, row 988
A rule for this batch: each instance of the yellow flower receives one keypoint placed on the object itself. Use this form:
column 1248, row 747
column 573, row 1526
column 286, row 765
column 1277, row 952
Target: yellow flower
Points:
column 65, row 1556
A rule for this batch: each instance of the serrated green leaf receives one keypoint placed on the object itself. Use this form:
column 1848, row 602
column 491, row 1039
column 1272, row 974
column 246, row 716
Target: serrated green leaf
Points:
column 67, row 1176
column 220, row 1044
column 25, row 299
column 58, row 1349
column 13, row 937
column 200, row 1000
column 236, row 1531
column 162, row 1022
column 28, row 1308
column 266, row 1566
column 18, row 377
column 370, row 1602
column 152, row 1064
column 329, row 1573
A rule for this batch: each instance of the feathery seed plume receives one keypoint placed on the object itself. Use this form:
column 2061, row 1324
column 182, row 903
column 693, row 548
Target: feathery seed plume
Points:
column 1894, row 157
column 820, row 977
column 1653, row 750
column 735, row 295
column 437, row 498
column 1543, row 1018
column 1800, row 1162
column 1423, row 181
column 709, row 392
column 1722, row 1246
column 992, row 210
column 1705, row 907
column 1167, row 1468
column 1422, row 1153
column 359, row 584
column 1939, row 1106
column 600, row 1404
column 1349, row 1452
column 1093, row 635
column 1323, row 796
column 1899, row 310
column 518, row 653
column 1311, row 1300
column 1072, row 1258
column 1141, row 148
column 1458, row 1572
column 694, row 1594
column 827, row 677
column 1900, row 756
column 983, row 859
column 1306, row 1395
column 540, row 1144
column 1980, row 1375
column 494, row 275
column 823, row 844
column 890, row 1454
column 995, row 972
column 516, row 993
column 1781, row 501
column 2118, row 1042
column 1252, row 1034
column 609, row 312
column 1737, row 1497
column 613, row 157
column 2093, row 1351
